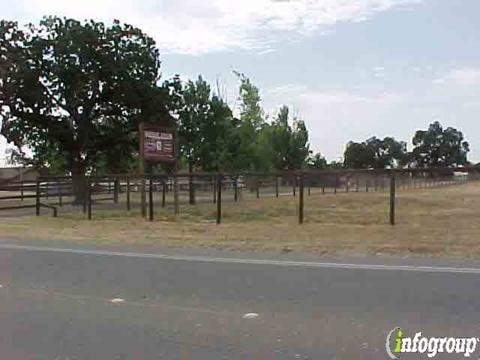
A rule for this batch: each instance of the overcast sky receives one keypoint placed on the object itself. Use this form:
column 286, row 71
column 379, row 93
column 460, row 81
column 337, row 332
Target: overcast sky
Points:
column 350, row 68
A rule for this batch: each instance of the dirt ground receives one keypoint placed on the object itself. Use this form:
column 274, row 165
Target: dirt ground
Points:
column 441, row 221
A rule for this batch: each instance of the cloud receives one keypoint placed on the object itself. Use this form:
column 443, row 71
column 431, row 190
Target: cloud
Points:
column 461, row 76
column 195, row 27
column 465, row 76
column 439, row 81
column 379, row 72
column 335, row 117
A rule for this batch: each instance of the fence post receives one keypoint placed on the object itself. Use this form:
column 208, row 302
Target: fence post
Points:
column 276, row 187
column 37, row 198
column 367, row 184
column 219, row 199
column 191, row 189
column 301, row 200
column 150, row 198
column 89, row 194
column 59, row 189
column 115, row 190
column 214, row 183
column 164, row 192
column 357, row 184
column 128, row 194
column 21, row 190
column 347, row 185
column 235, row 188
column 85, row 199
column 392, row 199
column 295, row 186
column 258, row 188
column 176, row 203
column 143, row 199
column 336, row 184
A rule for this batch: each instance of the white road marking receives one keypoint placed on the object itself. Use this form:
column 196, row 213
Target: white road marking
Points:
column 206, row 259
column 250, row 316
column 117, row 301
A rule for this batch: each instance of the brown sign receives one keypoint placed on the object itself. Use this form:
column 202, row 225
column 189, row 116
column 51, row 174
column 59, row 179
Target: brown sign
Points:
column 157, row 143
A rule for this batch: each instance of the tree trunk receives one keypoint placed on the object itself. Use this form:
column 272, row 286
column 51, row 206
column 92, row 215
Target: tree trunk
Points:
column 79, row 183
column 191, row 187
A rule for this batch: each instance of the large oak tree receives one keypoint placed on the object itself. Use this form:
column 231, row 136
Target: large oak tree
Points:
column 73, row 93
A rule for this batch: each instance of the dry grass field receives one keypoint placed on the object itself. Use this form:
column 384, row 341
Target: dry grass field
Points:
column 440, row 221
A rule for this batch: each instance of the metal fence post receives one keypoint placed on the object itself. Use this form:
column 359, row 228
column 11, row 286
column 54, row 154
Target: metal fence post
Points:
column 150, row 198
column 301, row 200
column 37, row 198
column 392, row 199
column 336, row 184
column 258, row 188
column 219, row 199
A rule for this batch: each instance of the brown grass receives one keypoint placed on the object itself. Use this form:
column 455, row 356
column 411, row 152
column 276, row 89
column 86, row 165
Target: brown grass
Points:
column 439, row 222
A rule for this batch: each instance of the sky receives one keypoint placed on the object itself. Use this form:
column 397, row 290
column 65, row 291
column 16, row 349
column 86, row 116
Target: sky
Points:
column 351, row 69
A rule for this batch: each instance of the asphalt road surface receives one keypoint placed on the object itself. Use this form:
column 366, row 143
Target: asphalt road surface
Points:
column 59, row 305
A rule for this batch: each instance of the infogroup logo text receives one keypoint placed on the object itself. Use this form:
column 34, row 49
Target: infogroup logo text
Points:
column 397, row 343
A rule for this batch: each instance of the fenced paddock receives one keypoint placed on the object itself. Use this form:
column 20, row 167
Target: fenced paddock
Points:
column 235, row 196
column 436, row 212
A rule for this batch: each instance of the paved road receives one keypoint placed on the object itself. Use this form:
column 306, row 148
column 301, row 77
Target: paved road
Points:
column 57, row 305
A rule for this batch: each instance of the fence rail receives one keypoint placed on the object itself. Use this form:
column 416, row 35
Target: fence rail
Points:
column 57, row 191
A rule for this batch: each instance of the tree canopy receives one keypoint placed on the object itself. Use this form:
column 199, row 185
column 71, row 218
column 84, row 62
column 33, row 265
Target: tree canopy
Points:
column 438, row 147
column 74, row 92
column 375, row 153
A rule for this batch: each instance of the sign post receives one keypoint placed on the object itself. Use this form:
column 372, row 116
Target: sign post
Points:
column 141, row 170
column 157, row 144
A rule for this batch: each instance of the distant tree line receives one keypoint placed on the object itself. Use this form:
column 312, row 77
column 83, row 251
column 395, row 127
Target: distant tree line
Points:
column 434, row 147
